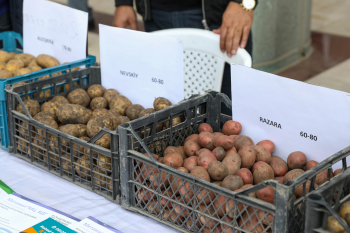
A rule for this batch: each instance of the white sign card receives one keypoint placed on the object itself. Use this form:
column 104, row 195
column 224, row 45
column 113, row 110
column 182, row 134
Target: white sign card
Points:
column 17, row 214
column 54, row 29
column 141, row 66
column 3, row 194
column 295, row 115
column 92, row 225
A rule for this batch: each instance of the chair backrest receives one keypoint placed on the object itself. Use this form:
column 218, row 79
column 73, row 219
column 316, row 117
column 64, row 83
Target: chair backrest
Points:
column 203, row 60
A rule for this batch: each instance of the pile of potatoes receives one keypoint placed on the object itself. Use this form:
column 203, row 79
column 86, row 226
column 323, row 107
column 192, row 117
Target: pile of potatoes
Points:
column 14, row 64
column 231, row 161
column 82, row 114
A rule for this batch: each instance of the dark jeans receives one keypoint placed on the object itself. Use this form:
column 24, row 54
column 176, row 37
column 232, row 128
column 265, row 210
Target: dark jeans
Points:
column 192, row 19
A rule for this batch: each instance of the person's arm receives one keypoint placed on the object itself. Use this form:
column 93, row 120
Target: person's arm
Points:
column 124, row 15
column 235, row 28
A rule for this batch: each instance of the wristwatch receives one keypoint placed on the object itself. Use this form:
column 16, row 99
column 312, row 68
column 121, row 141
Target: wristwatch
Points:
column 248, row 4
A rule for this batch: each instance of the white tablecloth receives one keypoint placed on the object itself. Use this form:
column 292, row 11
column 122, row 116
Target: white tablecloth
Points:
column 39, row 185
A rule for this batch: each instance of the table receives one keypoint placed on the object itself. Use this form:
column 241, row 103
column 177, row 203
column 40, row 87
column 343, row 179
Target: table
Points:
column 39, row 185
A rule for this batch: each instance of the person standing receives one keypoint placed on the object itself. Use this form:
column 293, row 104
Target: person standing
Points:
column 232, row 20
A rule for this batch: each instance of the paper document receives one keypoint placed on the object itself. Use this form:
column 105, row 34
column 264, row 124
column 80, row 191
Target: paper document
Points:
column 18, row 213
column 48, row 226
column 54, row 29
column 141, row 66
column 5, row 188
column 295, row 115
column 92, row 225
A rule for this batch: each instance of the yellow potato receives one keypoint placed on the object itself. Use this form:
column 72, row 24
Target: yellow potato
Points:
column 26, row 58
column 14, row 61
column 33, row 63
column 22, row 71
column 5, row 74
column 34, row 68
column 12, row 55
column 2, row 65
column 46, row 61
column 4, row 56
column 12, row 67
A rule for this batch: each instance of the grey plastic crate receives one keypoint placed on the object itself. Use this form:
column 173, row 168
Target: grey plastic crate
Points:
column 147, row 186
column 83, row 163
column 326, row 201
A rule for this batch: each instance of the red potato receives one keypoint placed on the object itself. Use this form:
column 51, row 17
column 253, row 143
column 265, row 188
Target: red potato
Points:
column 183, row 169
column 310, row 164
column 191, row 147
column 216, row 230
column 266, row 194
column 219, row 153
column 193, row 137
column 279, row 167
column 162, row 180
column 232, row 162
column 204, row 159
column 206, row 140
column 232, row 182
column 243, row 141
column 220, row 206
column 263, row 172
column 170, row 215
column 154, row 155
column 262, row 154
column 185, row 189
column 138, row 177
column 338, row 171
column 204, row 127
column 291, row 175
column 168, row 196
column 225, row 142
column 217, row 134
column 173, row 149
column 232, row 128
column 190, row 163
column 174, row 160
column 217, row 170
column 233, row 149
column 321, row 177
column 200, row 173
column 208, row 210
column 153, row 207
column 248, row 156
column 225, row 227
column 296, row 160
column 144, row 195
column 246, row 175
column 180, row 210
column 280, row 179
column 230, row 203
column 265, row 218
column 268, row 145
column 299, row 190
column 256, row 165
column 161, row 160
column 182, row 151
column 250, row 223
column 203, row 151
column 205, row 197
column 236, row 137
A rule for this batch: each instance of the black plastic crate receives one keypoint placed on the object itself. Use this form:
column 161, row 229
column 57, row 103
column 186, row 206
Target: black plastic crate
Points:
column 147, row 186
column 326, row 201
column 83, row 163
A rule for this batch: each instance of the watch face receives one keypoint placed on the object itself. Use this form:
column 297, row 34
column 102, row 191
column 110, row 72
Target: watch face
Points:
column 248, row 4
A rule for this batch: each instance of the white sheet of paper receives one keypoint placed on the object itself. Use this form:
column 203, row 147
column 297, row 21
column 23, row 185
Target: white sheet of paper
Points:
column 141, row 66
column 92, row 225
column 3, row 194
column 54, row 29
column 307, row 118
column 17, row 214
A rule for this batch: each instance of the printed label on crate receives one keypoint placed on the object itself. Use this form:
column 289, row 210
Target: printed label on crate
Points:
column 295, row 115
column 92, row 225
column 141, row 66
column 54, row 29
column 18, row 213
column 49, row 226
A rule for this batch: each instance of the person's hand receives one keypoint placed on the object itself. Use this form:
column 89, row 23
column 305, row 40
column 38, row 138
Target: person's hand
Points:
column 125, row 16
column 235, row 28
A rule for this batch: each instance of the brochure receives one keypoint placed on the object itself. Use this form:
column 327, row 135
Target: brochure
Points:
column 6, row 188
column 18, row 213
column 92, row 225
column 48, row 226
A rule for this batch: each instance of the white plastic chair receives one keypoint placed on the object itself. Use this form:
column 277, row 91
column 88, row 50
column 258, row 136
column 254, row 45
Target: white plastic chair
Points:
column 203, row 60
